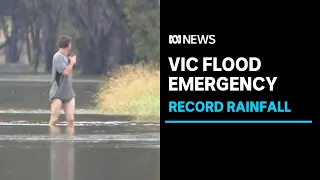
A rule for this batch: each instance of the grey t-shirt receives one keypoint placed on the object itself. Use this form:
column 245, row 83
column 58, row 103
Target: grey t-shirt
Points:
column 61, row 86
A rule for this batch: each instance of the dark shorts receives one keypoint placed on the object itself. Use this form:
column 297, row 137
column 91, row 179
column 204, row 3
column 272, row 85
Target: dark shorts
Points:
column 62, row 100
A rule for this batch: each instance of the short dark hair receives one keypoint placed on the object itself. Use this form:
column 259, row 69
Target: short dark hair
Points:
column 64, row 41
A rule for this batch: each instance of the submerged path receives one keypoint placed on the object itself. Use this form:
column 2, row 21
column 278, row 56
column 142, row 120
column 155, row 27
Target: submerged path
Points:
column 42, row 115
column 104, row 134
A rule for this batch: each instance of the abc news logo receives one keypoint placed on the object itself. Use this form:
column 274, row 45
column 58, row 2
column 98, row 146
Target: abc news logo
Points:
column 192, row 39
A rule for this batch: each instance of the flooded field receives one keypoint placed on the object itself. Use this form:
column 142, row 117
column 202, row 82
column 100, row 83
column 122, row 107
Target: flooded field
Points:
column 97, row 151
column 32, row 92
column 104, row 147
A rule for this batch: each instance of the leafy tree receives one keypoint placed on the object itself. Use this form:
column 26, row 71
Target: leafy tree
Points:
column 105, row 33
column 143, row 19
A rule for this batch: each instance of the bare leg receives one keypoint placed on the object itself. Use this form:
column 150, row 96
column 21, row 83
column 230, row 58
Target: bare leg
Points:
column 55, row 130
column 69, row 108
column 55, row 112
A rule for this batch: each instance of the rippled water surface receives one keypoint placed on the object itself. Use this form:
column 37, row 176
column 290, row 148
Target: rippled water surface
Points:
column 115, row 150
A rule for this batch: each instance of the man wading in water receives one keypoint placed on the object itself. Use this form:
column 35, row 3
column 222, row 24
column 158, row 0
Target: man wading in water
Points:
column 61, row 92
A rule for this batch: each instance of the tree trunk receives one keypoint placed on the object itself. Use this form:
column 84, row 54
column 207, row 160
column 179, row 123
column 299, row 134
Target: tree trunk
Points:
column 12, row 50
column 49, row 44
column 28, row 46
column 49, row 49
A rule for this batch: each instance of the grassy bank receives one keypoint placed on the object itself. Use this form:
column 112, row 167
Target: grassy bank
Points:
column 134, row 91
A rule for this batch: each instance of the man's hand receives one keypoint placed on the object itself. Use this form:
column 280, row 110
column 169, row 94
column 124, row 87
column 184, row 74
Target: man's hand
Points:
column 73, row 59
column 68, row 69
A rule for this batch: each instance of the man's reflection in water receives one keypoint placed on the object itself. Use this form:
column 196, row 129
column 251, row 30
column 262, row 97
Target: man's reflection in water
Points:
column 62, row 156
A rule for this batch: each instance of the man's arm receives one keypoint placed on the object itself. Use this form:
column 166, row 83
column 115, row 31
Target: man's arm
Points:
column 67, row 70
column 62, row 66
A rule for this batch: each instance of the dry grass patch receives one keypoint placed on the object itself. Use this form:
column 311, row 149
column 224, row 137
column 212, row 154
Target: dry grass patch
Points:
column 134, row 90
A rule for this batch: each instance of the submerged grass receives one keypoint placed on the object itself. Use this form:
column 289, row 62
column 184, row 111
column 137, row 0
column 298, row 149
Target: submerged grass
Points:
column 134, row 90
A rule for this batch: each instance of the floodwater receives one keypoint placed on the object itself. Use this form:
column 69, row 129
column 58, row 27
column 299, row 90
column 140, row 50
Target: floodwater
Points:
column 97, row 151
column 104, row 147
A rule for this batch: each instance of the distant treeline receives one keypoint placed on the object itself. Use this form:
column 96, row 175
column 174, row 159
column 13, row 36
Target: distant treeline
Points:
column 106, row 33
